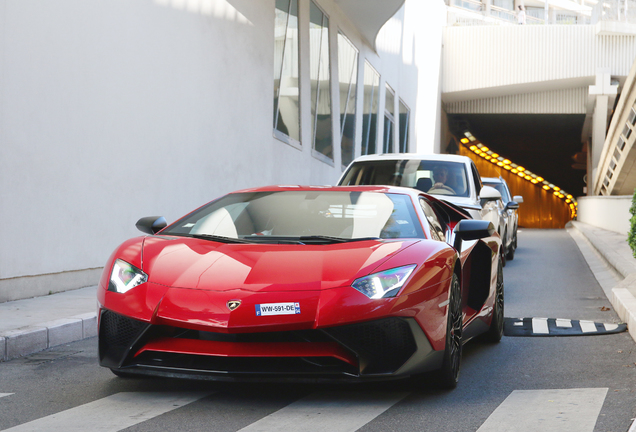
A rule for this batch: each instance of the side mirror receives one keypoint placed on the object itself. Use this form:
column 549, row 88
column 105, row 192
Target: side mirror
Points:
column 512, row 205
column 151, row 224
column 488, row 194
column 518, row 199
column 471, row 229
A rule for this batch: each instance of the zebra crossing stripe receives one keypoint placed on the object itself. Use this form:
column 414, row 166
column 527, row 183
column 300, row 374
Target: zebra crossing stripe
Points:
column 328, row 412
column 112, row 413
column 570, row 410
column 5, row 394
column 558, row 327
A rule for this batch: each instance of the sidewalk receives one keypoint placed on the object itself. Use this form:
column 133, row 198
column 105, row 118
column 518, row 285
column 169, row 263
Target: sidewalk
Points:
column 610, row 259
column 32, row 325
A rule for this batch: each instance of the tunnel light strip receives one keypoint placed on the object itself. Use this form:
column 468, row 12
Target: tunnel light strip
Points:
column 496, row 159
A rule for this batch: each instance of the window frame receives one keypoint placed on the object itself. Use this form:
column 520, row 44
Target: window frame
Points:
column 368, row 127
column 314, row 109
column 388, row 137
column 279, row 135
column 403, row 136
column 352, row 97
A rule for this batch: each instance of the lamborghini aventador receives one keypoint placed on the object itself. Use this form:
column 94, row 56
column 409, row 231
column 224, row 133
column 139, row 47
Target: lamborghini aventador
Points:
column 303, row 283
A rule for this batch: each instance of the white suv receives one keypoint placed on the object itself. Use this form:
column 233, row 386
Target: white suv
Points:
column 452, row 178
column 508, row 213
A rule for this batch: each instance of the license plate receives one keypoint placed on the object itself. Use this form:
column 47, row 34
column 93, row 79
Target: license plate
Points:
column 277, row 309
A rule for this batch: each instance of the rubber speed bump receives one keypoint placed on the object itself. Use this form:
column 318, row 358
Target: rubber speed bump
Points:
column 558, row 327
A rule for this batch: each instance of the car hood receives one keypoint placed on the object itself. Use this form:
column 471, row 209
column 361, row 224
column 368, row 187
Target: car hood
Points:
column 206, row 265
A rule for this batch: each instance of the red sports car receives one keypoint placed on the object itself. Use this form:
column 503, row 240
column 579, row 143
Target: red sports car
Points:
column 303, row 283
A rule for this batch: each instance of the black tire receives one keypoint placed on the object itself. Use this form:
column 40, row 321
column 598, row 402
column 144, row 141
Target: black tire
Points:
column 513, row 246
column 495, row 332
column 448, row 375
column 503, row 247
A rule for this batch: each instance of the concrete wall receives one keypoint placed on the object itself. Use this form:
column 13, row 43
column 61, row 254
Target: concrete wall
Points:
column 110, row 111
column 607, row 212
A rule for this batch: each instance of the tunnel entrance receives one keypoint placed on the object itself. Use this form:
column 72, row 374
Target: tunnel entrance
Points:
column 543, row 143
column 536, row 155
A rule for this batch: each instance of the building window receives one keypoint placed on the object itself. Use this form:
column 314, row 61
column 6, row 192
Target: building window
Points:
column 405, row 114
column 286, row 91
column 389, row 120
column 348, row 77
column 370, row 109
column 320, row 80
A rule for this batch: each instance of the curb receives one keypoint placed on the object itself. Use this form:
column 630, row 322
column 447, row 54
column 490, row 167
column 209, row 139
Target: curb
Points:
column 32, row 339
column 622, row 295
column 624, row 266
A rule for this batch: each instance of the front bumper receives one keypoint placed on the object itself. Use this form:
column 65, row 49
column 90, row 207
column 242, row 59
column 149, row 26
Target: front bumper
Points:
column 385, row 348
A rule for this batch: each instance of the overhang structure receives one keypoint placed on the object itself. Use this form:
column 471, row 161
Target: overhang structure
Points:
column 369, row 16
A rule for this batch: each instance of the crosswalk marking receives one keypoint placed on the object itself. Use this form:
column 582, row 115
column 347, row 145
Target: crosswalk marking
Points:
column 112, row 413
column 540, row 326
column 571, row 410
column 5, row 394
column 328, row 412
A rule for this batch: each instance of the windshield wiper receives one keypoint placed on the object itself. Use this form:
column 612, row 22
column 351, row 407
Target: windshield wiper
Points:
column 272, row 239
column 334, row 239
column 219, row 239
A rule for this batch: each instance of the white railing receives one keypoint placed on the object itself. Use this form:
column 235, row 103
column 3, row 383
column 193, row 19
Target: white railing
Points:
column 614, row 10
column 502, row 13
column 472, row 5
column 535, row 16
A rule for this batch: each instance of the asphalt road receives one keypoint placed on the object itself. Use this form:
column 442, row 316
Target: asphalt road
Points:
column 577, row 383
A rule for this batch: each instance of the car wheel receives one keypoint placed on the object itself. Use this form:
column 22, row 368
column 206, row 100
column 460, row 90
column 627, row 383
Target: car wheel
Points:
column 449, row 373
column 511, row 252
column 495, row 332
column 513, row 246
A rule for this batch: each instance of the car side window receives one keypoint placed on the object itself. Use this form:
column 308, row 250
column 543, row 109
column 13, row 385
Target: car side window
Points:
column 435, row 227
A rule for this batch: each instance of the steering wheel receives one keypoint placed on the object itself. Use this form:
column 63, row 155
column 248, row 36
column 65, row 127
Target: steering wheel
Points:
column 441, row 189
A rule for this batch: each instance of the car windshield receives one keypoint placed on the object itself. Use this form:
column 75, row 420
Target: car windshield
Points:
column 303, row 216
column 505, row 196
column 433, row 177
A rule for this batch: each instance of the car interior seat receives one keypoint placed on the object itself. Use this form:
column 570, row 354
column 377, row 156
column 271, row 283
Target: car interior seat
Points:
column 424, row 184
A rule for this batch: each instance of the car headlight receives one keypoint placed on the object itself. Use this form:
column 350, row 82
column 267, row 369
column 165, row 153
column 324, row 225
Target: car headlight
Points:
column 383, row 284
column 125, row 277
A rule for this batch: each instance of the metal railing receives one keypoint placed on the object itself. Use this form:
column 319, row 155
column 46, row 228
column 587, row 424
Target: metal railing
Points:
column 614, row 10
column 502, row 13
column 624, row 10
column 472, row 5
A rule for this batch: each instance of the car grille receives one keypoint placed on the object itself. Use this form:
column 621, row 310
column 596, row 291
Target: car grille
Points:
column 117, row 334
column 384, row 345
column 380, row 346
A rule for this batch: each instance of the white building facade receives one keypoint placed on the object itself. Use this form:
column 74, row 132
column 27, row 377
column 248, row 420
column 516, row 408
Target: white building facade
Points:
column 110, row 111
